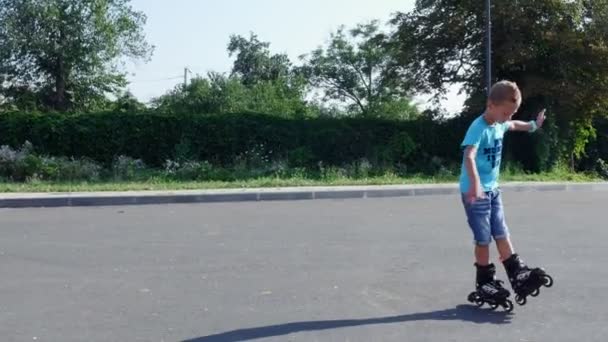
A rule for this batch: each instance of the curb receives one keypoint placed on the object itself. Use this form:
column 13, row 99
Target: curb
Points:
column 83, row 199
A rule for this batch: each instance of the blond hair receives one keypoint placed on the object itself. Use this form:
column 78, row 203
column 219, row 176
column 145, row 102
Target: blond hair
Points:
column 505, row 91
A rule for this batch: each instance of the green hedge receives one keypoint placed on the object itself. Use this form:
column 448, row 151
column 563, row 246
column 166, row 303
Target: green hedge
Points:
column 226, row 139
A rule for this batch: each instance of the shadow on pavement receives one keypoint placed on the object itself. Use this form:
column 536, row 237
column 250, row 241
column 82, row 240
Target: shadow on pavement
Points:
column 466, row 313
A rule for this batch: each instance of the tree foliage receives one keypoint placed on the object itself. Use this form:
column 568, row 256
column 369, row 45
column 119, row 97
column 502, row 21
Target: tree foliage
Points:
column 65, row 54
column 260, row 82
column 556, row 50
column 357, row 67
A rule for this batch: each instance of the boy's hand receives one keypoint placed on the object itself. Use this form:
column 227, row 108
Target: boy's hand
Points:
column 540, row 118
column 475, row 194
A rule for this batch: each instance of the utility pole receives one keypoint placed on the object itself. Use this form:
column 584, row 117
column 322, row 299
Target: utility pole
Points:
column 186, row 71
column 488, row 46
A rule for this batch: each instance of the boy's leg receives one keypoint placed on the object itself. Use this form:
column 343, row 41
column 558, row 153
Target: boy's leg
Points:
column 500, row 230
column 478, row 216
column 505, row 248
column 482, row 255
column 524, row 280
column 487, row 288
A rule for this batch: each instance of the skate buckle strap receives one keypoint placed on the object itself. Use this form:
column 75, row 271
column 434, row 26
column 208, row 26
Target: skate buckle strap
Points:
column 489, row 289
column 524, row 275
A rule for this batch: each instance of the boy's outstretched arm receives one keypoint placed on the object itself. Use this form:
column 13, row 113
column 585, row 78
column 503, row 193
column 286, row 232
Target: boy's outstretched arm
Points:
column 528, row 126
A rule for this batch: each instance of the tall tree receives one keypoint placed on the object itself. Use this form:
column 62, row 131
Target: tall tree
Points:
column 556, row 50
column 67, row 52
column 255, row 63
column 357, row 68
column 260, row 82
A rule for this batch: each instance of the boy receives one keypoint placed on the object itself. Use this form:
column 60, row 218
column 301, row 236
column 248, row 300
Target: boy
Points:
column 482, row 201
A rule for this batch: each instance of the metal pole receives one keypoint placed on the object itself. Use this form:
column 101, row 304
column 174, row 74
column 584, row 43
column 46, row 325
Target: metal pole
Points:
column 488, row 46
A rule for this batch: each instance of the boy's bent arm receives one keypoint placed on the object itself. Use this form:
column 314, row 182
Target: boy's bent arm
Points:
column 470, row 153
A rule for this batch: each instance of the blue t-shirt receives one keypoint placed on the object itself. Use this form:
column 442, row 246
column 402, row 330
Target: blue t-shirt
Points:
column 488, row 140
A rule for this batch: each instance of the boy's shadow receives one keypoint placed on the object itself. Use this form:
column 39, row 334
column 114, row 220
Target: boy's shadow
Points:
column 467, row 313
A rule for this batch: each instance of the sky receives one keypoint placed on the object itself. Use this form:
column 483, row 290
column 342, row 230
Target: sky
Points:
column 195, row 34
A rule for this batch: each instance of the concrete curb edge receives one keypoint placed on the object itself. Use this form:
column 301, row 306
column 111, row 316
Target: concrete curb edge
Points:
column 80, row 199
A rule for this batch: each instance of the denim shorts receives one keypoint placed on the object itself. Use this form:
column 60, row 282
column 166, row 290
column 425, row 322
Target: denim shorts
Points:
column 486, row 218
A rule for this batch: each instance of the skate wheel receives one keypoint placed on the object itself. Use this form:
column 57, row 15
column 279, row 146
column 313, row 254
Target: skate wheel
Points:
column 548, row 281
column 535, row 293
column 493, row 306
column 508, row 306
column 472, row 298
column 479, row 302
column 521, row 300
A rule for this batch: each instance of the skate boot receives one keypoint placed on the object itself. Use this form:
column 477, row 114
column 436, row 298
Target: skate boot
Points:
column 525, row 281
column 489, row 290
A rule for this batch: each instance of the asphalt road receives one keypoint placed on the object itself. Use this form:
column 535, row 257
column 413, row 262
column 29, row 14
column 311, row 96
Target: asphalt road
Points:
column 328, row 270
